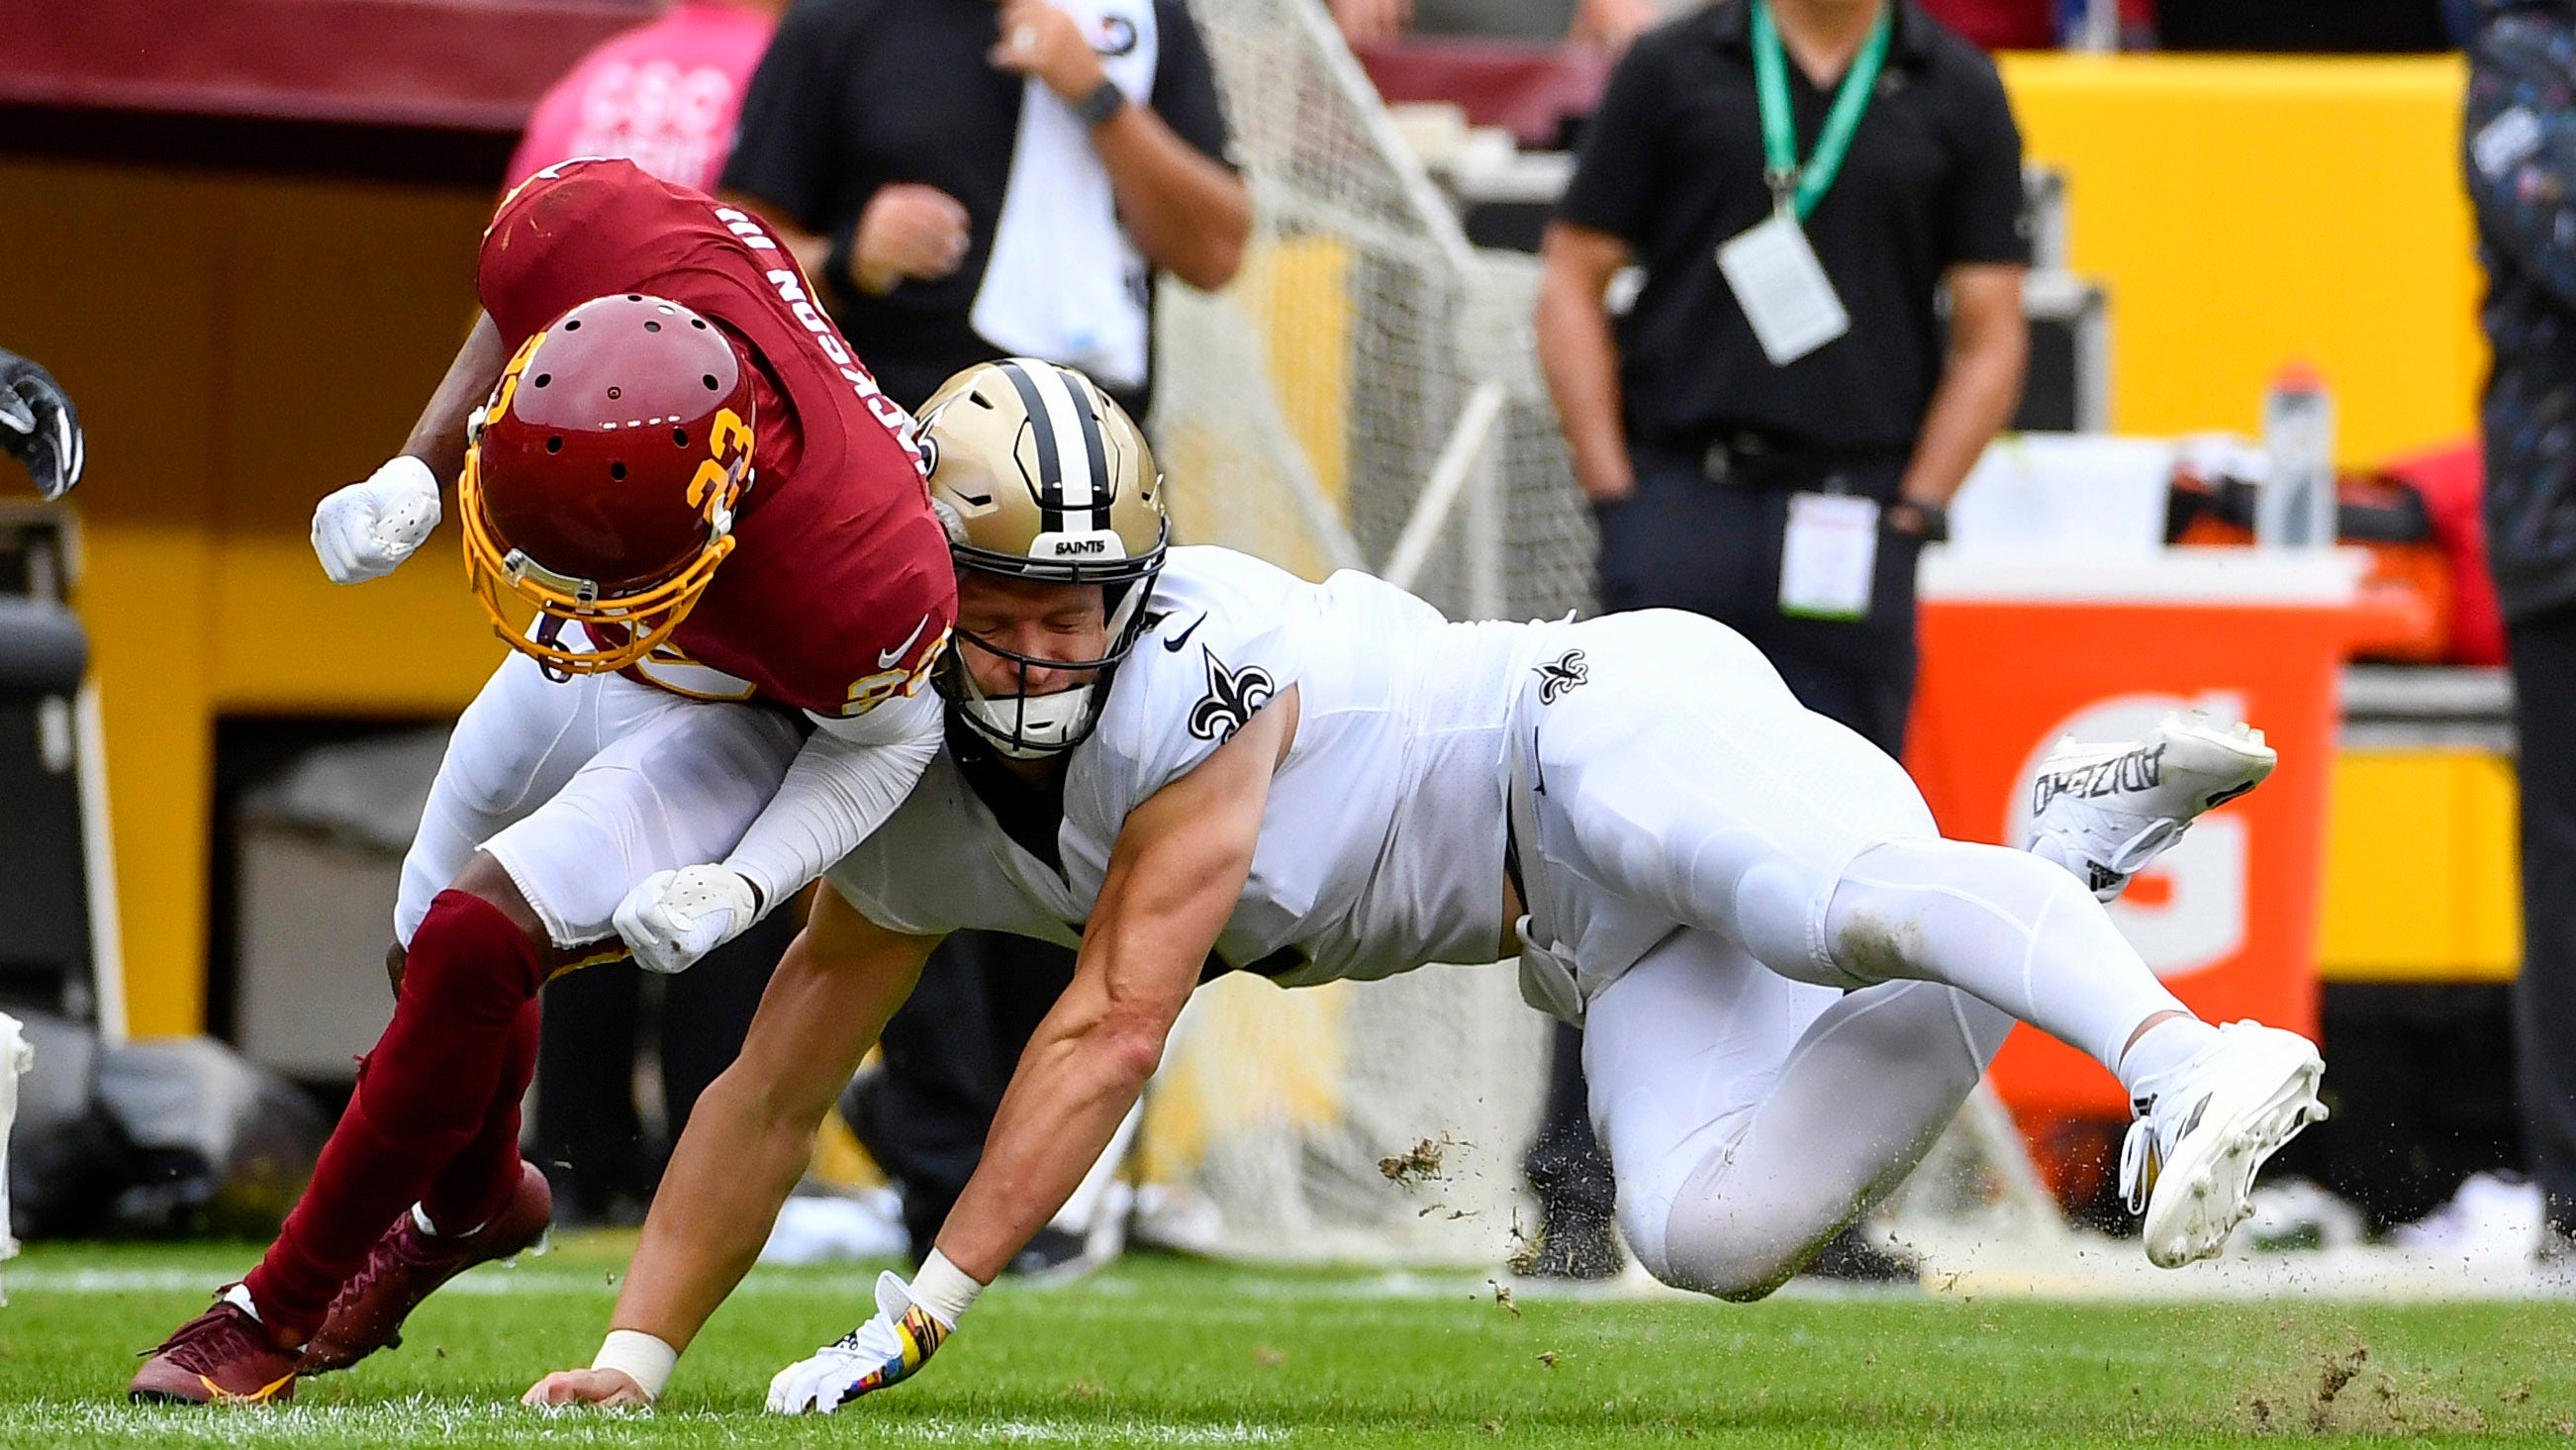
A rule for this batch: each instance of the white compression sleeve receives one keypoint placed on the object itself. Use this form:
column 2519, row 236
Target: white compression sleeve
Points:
column 850, row 776
column 2007, row 927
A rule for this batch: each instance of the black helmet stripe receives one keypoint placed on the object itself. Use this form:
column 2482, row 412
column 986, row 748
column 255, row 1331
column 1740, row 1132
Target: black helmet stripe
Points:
column 1096, row 453
column 1050, row 474
column 1077, row 479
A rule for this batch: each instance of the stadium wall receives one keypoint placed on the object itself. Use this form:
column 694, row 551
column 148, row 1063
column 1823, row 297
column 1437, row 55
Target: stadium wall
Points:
column 238, row 346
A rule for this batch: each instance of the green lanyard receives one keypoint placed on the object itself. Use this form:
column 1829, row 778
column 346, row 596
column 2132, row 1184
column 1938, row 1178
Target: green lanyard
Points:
column 1792, row 184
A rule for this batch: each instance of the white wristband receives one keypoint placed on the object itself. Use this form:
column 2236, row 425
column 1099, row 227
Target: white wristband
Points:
column 642, row 1357
column 944, row 1289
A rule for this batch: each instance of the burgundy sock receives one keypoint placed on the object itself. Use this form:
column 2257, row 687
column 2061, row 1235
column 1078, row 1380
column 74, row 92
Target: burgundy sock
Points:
column 477, row 1183
column 422, row 1096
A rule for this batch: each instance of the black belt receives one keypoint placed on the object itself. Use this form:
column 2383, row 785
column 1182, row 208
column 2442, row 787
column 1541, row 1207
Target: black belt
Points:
column 1741, row 458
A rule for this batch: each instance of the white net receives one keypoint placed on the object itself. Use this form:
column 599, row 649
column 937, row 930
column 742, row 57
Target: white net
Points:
column 1303, row 412
column 1366, row 359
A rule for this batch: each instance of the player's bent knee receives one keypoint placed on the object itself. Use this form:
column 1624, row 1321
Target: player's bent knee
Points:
column 1687, row 1246
column 483, row 877
column 1732, row 1238
column 1739, row 1264
column 469, row 958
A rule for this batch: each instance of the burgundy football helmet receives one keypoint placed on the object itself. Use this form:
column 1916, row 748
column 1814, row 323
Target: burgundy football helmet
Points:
column 600, row 479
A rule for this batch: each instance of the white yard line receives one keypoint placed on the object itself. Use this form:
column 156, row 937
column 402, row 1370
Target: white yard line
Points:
column 429, row 1422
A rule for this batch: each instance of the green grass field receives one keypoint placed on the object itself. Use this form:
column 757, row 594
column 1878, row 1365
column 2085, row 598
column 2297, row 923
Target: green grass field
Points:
column 1160, row 1352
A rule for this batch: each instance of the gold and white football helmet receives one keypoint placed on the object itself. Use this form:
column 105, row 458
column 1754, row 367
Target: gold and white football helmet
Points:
column 1039, row 475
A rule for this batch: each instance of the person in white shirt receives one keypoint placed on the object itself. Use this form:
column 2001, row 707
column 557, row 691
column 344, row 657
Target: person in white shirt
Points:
column 1184, row 761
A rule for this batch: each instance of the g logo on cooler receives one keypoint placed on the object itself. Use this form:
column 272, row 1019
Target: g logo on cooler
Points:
column 2202, row 920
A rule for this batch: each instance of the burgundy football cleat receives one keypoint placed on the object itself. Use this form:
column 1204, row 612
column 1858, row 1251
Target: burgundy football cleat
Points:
column 221, row 1356
column 407, row 1266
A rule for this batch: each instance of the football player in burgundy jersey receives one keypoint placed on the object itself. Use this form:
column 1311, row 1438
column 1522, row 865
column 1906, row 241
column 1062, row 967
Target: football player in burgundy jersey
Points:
column 663, row 450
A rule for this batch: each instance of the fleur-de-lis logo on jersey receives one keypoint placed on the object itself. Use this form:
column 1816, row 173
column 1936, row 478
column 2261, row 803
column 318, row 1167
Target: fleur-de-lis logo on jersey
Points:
column 1231, row 698
column 1561, row 674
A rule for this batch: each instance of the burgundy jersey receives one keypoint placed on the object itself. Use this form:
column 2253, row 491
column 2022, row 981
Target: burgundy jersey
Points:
column 838, row 592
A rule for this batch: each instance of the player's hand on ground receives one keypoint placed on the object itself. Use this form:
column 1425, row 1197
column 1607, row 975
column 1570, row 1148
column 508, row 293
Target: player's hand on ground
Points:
column 672, row 918
column 1036, row 39
column 364, row 531
column 907, row 230
column 566, row 1388
column 39, row 426
column 885, row 1351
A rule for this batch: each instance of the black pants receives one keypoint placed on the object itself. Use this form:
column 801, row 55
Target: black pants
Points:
column 1681, row 542
column 587, row 1134
column 949, row 1053
column 2544, row 1000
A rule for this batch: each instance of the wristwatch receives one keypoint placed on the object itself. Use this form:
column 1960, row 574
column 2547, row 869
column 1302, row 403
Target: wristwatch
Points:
column 1931, row 522
column 1102, row 105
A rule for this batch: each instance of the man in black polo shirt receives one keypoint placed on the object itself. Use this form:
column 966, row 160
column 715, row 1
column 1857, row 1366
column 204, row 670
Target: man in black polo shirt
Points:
column 1785, row 488
column 1772, row 431
column 965, row 179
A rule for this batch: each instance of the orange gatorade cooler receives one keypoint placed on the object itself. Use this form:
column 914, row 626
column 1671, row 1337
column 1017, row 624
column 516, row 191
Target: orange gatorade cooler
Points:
column 2018, row 653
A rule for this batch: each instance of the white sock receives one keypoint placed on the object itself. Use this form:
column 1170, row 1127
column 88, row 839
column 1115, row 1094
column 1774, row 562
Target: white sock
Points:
column 420, row 1219
column 2166, row 1046
column 239, row 1297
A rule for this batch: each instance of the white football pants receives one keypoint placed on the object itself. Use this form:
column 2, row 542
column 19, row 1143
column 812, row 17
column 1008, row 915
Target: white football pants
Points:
column 582, row 789
column 1793, row 981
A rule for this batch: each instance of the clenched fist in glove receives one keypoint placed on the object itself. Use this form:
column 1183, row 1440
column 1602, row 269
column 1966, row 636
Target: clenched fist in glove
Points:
column 672, row 918
column 363, row 531
column 882, row 1352
column 39, row 427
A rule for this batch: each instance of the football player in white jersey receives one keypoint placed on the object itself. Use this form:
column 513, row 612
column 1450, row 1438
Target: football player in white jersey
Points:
column 1184, row 760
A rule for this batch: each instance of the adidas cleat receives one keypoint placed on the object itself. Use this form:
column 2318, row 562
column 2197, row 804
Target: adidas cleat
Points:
column 2105, row 811
column 2189, row 1160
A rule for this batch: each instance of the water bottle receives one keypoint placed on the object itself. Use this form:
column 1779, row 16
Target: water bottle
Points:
column 2296, row 509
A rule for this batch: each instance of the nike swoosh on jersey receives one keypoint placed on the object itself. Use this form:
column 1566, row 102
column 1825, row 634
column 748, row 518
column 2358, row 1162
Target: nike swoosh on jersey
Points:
column 1176, row 641
column 888, row 659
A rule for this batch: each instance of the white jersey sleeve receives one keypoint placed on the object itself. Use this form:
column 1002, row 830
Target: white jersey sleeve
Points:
column 939, row 864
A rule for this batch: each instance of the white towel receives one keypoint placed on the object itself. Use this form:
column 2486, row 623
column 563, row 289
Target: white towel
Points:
column 1064, row 282
column 15, row 1058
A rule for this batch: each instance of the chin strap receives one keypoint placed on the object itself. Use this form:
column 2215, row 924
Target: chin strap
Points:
column 550, row 634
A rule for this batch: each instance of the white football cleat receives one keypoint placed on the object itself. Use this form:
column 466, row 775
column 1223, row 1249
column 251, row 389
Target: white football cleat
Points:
column 2105, row 811
column 2189, row 1160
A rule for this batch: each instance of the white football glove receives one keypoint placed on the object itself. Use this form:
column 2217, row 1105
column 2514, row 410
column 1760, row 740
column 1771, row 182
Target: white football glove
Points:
column 363, row 531
column 672, row 918
column 882, row 1352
